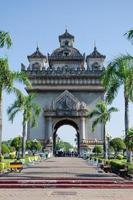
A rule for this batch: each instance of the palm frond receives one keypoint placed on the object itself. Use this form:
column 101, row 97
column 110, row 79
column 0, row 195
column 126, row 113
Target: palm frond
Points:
column 101, row 106
column 33, row 121
column 107, row 75
column 112, row 109
column 94, row 124
column 101, row 113
column 22, row 78
column 5, row 39
column 112, row 90
column 12, row 107
column 129, row 35
column 94, row 113
column 13, row 114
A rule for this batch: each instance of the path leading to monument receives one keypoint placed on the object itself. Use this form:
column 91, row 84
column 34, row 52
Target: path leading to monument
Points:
column 63, row 167
column 63, row 173
column 67, row 167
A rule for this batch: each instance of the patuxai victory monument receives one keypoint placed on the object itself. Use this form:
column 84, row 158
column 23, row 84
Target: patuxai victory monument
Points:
column 67, row 86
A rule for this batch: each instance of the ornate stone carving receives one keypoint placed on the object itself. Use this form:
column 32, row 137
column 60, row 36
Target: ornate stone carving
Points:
column 66, row 101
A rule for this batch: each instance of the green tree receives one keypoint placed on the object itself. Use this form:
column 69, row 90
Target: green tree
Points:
column 33, row 146
column 102, row 114
column 30, row 111
column 120, row 73
column 8, row 77
column 118, row 145
column 5, row 149
column 5, row 39
column 97, row 150
column 129, row 35
column 117, row 74
column 17, row 144
column 129, row 142
column 66, row 146
column 11, row 149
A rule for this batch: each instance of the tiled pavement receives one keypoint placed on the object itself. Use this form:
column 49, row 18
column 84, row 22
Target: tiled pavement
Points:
column 62, row 167
column 65, row 194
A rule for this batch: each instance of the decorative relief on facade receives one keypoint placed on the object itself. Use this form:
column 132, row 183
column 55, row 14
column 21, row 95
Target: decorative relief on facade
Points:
column 66, row 104
column 66, row 101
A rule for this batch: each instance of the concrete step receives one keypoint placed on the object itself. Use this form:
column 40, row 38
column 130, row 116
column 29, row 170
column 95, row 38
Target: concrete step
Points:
column 62, row 181
column 68, row 183
column 83, row 186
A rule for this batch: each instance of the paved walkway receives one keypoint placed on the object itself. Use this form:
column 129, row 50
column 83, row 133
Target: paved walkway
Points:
column 62, row 167
column 65, row 194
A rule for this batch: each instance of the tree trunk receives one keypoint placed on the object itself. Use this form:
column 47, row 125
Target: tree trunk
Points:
column 127, row 123
column 24, row 140
column 126, row 115
column 105, row 144
column 130, row 156
column 0, row 121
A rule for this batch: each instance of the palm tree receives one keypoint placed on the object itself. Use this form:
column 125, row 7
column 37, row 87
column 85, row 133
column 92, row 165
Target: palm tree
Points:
column 30, row 111
column 120, row 73
column 8, row 77
column 101, row 115
column 5, row 39
column 129, row 142
column 129, row 35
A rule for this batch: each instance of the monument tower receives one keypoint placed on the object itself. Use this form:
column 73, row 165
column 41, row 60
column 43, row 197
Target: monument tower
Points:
column 68, row 86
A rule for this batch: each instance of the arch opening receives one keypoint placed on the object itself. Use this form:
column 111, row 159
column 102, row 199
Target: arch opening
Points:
column 66, row 139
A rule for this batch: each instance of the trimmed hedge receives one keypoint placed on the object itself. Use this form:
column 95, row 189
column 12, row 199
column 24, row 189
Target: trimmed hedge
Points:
column 119, row 157
column 116, row 165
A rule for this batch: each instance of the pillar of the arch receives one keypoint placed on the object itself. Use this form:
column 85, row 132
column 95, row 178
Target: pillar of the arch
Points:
column 78, row 142
column 82, row 128
column 83, row 147
column 54, row 143
column 49, row 128
column 49, row 145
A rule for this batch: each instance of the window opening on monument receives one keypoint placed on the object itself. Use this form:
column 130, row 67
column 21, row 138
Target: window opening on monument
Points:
column 66, row 141
column 66, row 43
column 66, row 53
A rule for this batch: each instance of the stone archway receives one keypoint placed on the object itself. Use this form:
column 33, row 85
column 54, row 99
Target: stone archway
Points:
column 66, row 122
column 66, row 109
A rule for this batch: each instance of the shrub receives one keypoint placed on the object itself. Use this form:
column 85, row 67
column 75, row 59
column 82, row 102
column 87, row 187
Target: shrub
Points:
column 33, row 146
column 4, row 149
column 12, row 155
column 119, row 157
column 97, row 149
column 118, row 145
column 17, row 143
column 12, row 149
column 2, row 166
column 1, row 158
column 117, row 165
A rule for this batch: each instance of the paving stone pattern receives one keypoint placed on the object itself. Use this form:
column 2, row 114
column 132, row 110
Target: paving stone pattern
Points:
column 65, row 194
